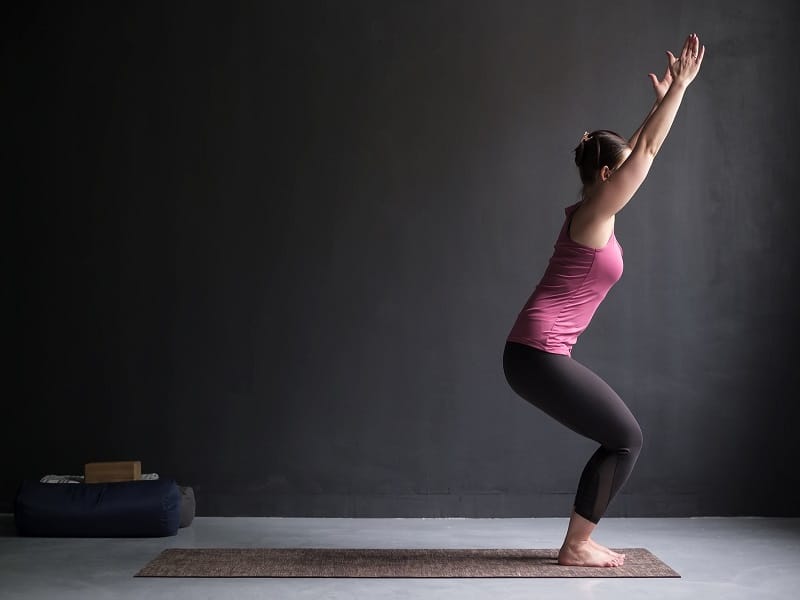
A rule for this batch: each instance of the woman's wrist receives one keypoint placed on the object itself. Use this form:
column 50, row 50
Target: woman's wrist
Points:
column 678, row 84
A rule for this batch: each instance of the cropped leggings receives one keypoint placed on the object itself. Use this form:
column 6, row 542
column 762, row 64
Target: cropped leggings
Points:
column 573, row 395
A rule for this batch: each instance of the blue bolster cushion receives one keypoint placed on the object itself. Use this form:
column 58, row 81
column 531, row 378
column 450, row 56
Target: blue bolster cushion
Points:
column 145, row 508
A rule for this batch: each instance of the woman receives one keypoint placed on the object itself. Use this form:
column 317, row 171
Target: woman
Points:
column 587, row 261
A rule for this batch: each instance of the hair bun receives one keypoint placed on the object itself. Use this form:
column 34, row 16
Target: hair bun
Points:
column 579, row 149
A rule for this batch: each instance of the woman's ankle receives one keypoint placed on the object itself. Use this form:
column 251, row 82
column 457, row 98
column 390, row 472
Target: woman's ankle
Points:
column 579, row 530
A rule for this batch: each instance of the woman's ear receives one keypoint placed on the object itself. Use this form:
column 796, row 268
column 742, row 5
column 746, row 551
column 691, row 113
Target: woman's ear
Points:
column 605, row 173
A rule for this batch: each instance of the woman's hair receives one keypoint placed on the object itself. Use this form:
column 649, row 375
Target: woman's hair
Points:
column 596, row 149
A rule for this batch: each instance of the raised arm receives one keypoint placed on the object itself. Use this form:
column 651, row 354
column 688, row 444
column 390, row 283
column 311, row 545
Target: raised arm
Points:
column 635, row 136
column 660, row 88
column 615, row 193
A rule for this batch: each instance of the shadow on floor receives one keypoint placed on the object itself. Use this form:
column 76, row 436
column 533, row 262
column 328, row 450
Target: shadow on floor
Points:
column 7, row 526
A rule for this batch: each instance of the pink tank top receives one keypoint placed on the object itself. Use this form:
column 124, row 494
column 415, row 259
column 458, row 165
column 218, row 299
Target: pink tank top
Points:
column 575, row 282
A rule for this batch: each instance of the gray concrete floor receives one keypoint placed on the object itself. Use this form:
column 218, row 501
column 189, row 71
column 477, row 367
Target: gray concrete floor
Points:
column 747, row 558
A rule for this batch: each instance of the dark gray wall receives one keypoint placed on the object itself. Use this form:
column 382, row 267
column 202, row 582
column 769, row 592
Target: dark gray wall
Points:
column 273, row 250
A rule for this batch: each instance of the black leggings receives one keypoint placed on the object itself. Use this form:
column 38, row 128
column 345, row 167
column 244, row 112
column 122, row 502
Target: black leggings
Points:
column 576, row 397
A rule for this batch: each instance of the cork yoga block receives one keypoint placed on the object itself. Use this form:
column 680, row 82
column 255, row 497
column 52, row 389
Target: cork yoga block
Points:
column 106, row 472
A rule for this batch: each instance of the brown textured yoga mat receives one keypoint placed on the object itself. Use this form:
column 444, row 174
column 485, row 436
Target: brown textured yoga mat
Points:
column 390, row 563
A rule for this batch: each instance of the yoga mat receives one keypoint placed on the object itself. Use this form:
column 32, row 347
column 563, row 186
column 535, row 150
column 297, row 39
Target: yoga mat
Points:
column 390, row 563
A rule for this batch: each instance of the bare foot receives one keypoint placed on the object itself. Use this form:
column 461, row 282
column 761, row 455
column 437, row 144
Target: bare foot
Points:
column 605, row 549
column 584, row 554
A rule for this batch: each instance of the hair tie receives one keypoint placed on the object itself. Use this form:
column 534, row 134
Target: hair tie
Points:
column 586, row 137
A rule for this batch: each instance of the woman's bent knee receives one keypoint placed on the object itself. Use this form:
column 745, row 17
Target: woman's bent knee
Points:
column 635, row 439
column 630, row 442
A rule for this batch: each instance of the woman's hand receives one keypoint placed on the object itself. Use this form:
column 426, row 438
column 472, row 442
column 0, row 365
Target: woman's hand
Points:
column 661, row 87
column 685, row 68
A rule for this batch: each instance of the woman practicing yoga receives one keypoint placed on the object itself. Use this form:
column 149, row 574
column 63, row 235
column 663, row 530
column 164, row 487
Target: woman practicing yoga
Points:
column 587, row 261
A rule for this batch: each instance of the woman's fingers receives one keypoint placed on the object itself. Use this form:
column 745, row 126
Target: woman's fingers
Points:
column 685, row 67
column 686, row 45
column 672, row 60
column 700, row 56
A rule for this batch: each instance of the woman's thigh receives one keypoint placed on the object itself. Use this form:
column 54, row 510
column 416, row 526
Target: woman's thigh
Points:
column 572, row 394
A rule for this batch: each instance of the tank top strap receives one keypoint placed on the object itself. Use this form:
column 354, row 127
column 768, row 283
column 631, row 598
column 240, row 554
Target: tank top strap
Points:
column 568, row 212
